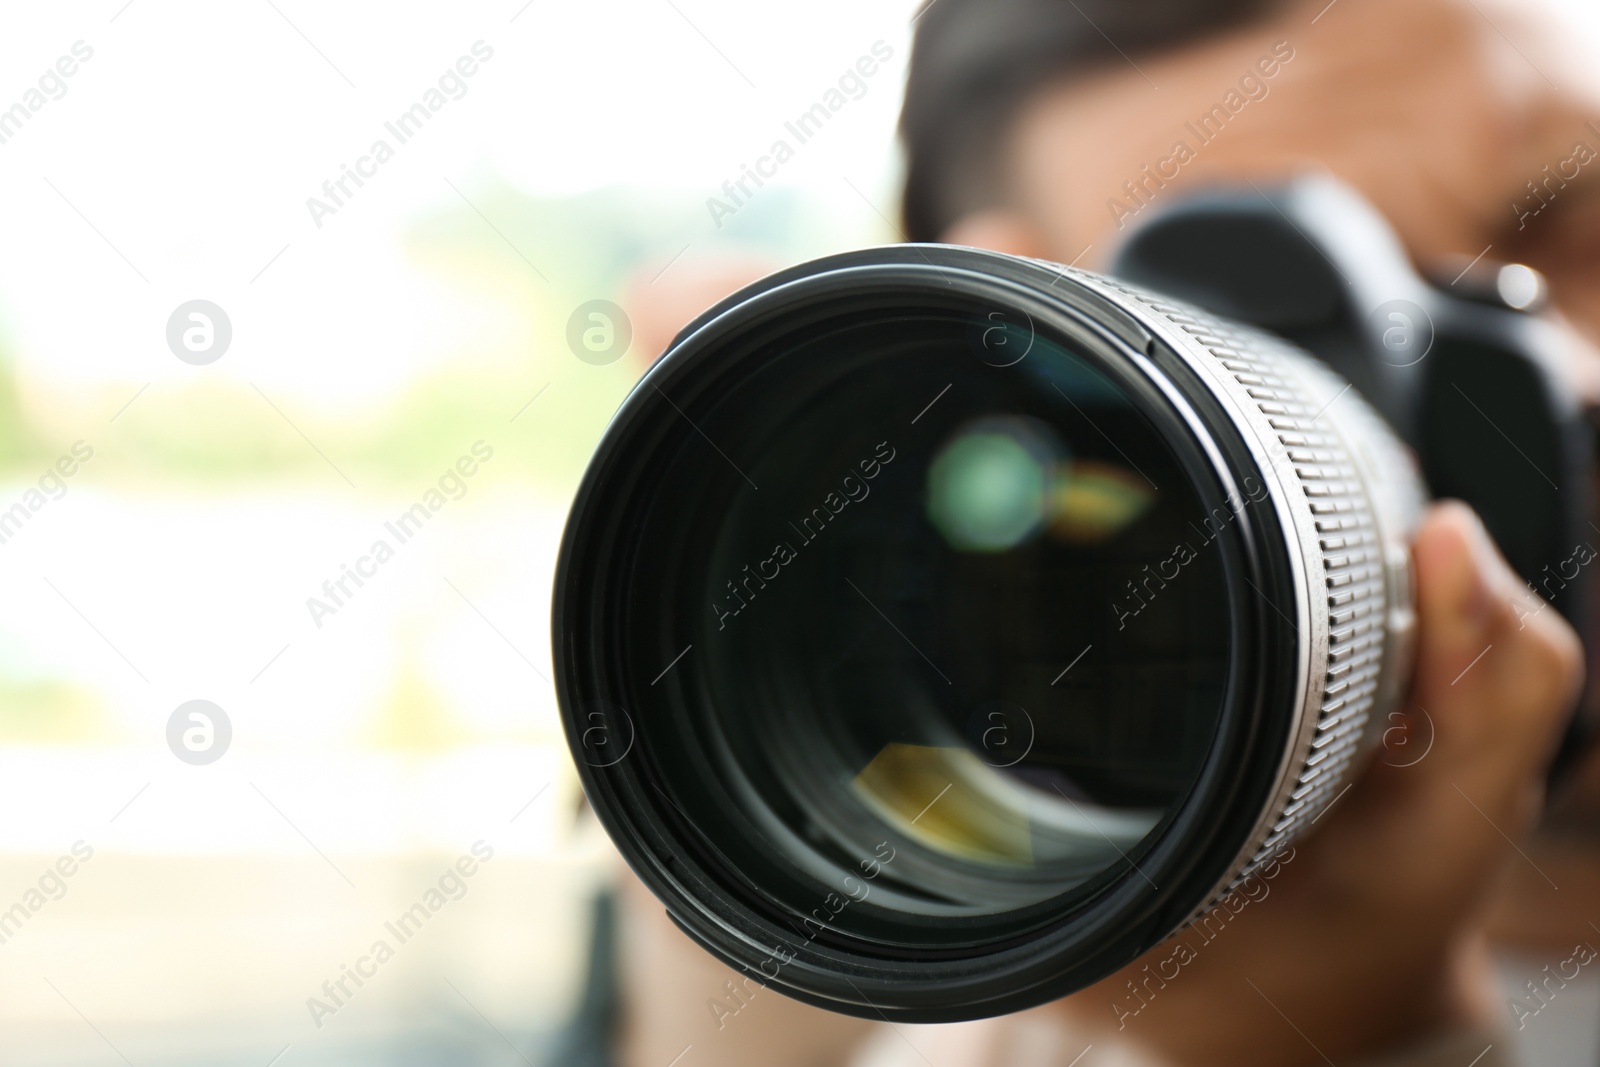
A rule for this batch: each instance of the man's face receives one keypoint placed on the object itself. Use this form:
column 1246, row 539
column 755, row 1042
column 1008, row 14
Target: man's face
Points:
column 1444, row 113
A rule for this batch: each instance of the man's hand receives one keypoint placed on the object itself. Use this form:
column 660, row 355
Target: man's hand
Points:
column 1370, row 936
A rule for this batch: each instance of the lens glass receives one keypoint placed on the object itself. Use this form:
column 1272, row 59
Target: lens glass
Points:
column 926, row 618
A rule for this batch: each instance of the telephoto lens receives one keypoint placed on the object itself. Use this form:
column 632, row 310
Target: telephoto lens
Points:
column 936, row 631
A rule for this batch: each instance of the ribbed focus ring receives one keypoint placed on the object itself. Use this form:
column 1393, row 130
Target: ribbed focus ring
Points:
column 1354, row 496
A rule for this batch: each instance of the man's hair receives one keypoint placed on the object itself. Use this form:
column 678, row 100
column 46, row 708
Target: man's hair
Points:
column 975, row 63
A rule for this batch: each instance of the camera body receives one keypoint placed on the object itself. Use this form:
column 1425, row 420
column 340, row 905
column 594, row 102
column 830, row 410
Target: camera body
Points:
column 1463, row 368
column 937, row 631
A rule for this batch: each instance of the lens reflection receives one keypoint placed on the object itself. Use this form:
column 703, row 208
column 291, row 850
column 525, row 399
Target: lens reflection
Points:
column 1092, row 502
column 988, row 484
column 997, row 482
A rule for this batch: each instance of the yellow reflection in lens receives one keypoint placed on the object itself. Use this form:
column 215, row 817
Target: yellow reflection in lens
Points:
column 1091, row 502
column 948, row 799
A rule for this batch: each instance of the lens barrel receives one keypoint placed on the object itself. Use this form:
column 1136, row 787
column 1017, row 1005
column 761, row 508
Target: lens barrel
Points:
column 936, row 631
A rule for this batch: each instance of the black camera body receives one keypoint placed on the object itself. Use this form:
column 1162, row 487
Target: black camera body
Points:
column 1463, row 368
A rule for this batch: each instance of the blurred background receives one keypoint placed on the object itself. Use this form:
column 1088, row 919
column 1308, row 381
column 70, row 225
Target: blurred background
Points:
column 361, row 740
column 371, row 348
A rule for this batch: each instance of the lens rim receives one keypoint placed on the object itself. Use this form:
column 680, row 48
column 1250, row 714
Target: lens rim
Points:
column 1179, row 872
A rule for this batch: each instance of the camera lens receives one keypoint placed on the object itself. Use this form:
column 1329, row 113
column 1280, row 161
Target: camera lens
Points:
column 874, row 623
column 934, row 633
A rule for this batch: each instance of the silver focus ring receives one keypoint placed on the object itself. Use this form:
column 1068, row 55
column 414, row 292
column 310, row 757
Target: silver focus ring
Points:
column 1348, row 496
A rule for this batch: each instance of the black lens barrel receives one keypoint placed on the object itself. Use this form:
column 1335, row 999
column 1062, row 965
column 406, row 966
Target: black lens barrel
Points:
column 817, row 607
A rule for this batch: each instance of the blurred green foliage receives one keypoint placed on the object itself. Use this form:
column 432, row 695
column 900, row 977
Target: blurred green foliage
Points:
column 219, row 432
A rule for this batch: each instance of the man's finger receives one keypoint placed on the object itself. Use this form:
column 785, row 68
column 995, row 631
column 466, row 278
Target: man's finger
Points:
column 1497, row 678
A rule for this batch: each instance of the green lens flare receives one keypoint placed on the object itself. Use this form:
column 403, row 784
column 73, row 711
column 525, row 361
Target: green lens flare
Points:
column 986, row 491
